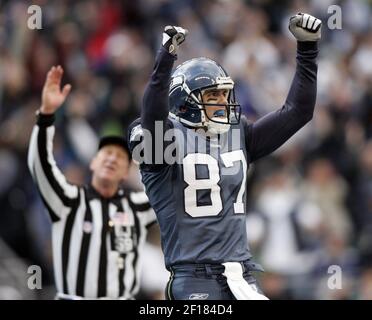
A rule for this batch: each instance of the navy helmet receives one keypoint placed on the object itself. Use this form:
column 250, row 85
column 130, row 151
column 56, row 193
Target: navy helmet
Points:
column 188, row 83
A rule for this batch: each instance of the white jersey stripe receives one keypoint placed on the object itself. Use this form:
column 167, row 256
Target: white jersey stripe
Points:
column 138, row 197
column 112, row 263
column 128, row 274
column 48, row 193
column 57, row 236
column 70, row 190
column 143, row 223
column 91, row 277
column 75, row 245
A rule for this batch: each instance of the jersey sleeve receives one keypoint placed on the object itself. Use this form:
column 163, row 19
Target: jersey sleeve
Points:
column 57, row 194
column 155, row 100
column 142, row 206
column 149, row 131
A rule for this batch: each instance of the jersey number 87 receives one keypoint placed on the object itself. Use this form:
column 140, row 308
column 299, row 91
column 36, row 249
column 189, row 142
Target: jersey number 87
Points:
column 229, row 159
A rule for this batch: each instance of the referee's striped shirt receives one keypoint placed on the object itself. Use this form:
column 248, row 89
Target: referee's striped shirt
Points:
column 96, row 242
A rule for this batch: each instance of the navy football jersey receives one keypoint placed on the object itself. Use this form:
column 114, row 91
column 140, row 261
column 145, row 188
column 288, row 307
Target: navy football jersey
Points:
column 200, row 199
column 196, row 184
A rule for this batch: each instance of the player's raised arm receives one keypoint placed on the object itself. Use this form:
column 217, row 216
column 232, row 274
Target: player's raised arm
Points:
column 155, row 101
column 56, row 192
column 274, row 129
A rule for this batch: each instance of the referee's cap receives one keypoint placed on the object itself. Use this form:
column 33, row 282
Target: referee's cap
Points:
column 114, row 140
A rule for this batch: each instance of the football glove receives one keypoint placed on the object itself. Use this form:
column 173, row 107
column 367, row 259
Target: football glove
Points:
column 172, row 37
column 305, row 27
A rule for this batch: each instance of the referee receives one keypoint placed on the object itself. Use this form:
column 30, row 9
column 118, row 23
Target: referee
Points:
column 98, row 230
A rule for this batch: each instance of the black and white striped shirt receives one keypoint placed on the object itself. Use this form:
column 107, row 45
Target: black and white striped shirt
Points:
column 96, row 241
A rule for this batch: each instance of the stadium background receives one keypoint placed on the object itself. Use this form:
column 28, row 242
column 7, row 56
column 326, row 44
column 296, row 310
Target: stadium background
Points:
column 310, row 203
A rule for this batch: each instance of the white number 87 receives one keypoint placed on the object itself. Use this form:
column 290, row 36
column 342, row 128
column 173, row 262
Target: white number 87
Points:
column 189, row 173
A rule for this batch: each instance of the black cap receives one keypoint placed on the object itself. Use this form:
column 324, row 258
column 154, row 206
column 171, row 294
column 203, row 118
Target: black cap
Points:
column 115, row 140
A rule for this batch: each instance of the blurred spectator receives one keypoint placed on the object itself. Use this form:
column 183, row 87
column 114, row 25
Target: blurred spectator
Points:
column 325, row 188
column 285, row 232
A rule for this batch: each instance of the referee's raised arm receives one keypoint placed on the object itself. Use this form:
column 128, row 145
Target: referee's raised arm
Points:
column 57, row 194
column 99, row 229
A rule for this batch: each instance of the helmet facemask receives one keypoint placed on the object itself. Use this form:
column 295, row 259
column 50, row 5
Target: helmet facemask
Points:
column 224, row 115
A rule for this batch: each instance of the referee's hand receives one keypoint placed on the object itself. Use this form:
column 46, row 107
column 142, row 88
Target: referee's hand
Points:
column 52, row 96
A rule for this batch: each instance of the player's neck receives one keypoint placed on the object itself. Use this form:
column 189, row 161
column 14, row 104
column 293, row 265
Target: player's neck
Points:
column 206, row 134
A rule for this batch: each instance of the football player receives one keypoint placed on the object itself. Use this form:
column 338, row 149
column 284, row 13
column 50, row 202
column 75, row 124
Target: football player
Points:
column 199, row 198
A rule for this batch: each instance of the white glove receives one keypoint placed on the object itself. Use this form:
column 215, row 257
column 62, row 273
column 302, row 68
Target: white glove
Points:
column 172, row 37
column 305, row 27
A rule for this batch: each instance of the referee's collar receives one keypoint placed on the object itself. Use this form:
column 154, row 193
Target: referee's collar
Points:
column 94, row 194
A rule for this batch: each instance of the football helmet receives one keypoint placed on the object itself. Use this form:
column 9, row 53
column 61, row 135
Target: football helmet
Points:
column 189, row 82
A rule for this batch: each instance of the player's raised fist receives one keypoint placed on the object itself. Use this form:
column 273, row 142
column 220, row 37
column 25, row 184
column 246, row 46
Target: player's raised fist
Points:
column 305, row 27
column 172, row 37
